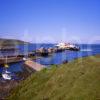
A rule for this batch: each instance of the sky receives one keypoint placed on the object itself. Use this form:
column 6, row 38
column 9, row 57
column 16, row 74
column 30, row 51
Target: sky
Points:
column 50, row 20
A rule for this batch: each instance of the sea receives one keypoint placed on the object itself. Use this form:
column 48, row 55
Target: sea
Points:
column 55, row 58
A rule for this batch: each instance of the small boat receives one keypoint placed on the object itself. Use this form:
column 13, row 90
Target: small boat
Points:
column 6, row 75
column 24, row 58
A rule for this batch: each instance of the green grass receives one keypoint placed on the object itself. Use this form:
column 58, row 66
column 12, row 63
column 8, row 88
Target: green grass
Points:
column 77, row 80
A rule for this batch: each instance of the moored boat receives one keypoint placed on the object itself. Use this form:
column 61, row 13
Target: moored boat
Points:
column 41, row 52
column 68, row 46
column 6, row 75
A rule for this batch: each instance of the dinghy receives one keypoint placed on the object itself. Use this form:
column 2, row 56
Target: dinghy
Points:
column 6, row 75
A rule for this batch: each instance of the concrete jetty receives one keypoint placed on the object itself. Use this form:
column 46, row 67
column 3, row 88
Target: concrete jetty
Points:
column 34, row 65
column 10, row 60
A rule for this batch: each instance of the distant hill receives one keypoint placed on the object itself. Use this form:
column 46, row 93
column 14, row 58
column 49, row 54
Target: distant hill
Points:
column 10, row 42
column 77, row 80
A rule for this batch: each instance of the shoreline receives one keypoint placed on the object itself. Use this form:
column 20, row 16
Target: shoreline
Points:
column 24, row 75
column 71, row 71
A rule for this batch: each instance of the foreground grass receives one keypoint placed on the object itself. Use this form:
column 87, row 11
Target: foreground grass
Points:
column 77, row 80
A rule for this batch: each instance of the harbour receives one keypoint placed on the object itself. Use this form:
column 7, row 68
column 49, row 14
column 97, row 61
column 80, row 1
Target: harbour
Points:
column 52, row 58
column 49, row 50
column 20, row 68
column 42, row 52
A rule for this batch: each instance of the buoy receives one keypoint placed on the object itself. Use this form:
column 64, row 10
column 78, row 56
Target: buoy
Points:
column 6, row 65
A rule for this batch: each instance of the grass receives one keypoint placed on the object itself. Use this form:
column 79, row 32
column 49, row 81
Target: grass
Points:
column 77, row 80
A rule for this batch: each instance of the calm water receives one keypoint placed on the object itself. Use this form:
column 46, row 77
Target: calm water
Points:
column 56, row 58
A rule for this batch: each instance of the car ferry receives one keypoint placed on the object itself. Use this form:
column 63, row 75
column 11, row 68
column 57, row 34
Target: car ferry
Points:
column 68, row 46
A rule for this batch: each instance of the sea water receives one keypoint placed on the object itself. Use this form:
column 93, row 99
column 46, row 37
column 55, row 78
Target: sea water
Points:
column 55, row 58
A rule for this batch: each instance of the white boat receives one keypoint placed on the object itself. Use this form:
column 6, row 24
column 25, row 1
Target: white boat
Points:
column 6, row 75
column 61, row 45
column 24, row 58
column 67, row 46
column 7, row 72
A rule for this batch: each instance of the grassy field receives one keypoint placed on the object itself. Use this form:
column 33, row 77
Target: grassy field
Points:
column 77, row 80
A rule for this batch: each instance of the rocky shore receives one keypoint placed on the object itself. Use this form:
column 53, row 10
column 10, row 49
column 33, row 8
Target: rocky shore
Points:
column 7, row 85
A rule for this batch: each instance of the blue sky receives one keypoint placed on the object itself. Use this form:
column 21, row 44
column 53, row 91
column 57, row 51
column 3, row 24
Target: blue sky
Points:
column 50, row 20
